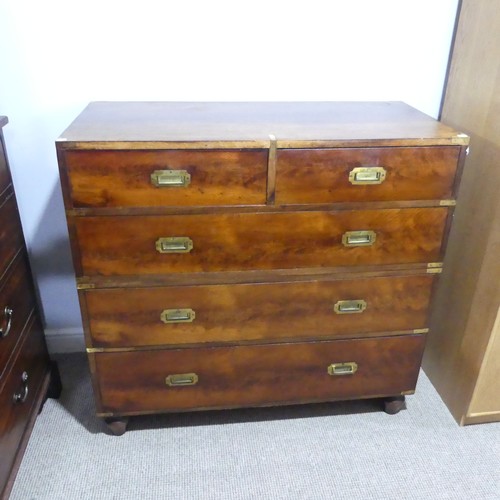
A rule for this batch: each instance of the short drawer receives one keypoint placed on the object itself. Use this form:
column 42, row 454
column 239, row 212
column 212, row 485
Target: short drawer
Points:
column 4, row 172
column 11, row 236
column 255, row 312
column 224, row 377
column 16, row 303
column 18, row 394
column 365, row 174
column 167, row 178
column 232, row 242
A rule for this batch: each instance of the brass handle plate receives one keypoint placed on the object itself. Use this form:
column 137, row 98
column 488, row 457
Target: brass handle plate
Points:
column 170, row 178
column 178, row 316
column 22, row 395
column 339, row 369
column 176, row 244
column 4, row 330
column 349, row 306
column 367, row 175
column 181, row 379
column 359, row 238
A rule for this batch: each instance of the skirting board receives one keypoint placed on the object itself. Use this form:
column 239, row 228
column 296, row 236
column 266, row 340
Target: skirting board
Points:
column 65, row 340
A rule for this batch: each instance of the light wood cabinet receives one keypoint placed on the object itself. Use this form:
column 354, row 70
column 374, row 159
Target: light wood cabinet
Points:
column 463, row 352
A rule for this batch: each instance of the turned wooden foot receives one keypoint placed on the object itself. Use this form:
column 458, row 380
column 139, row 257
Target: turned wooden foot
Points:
column 394, row 404
column 116, row 425
column 55, row 385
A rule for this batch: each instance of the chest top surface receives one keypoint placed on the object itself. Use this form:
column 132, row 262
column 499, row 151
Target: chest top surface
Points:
column 250, row 124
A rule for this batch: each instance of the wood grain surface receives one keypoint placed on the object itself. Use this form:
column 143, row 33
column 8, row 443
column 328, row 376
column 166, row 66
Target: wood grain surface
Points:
column 129, row 125
column 123, row 178
column 457, row 359
column 232, row 242
column 134, row 382
column 266, row 311
column 322, row 175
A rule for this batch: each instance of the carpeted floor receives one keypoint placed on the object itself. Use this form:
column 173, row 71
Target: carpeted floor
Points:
column 330, row 451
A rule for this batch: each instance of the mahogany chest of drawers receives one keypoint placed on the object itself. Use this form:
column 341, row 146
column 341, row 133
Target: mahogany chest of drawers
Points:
column 246, row 254
column 25, row 370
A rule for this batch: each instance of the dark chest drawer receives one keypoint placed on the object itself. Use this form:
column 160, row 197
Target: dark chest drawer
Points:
column 17, row 301
column 19, row 392
column 11, row 236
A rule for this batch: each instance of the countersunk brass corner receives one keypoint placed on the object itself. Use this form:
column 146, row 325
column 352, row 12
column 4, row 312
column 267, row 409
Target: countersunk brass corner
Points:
column 448, row 203
column 434, row 270
column 434, row 267
column 407, row 393
column 421, row 330
column 82, row 283
column 84, row 286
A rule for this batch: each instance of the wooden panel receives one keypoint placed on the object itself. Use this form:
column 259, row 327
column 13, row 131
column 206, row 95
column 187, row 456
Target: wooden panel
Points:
column 11, row 236
column 231, row 242
column 265, row 311
column 487, row 394
column 469, row 285
column 145, row 124
column 256, row 375
column 123, row 178
column 4, row 172
column 16, row 293
column 14, row 417
column 322, row 175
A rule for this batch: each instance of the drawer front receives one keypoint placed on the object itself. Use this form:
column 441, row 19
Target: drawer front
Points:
column 16, row 303
column 33, row 361
column 255, row 375
column 124, row 178
column 232, row 242
column 4, row 172
column 11, row 236
column 365, row 174
column 231, row 313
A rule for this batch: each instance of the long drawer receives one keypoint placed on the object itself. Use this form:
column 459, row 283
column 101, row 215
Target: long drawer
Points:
column 256, row 312
column 167, row 178
column 224, row 377
column 365, row 174
column 250, row 241
column 17, row 300
column 18, row 393
column 11, row 236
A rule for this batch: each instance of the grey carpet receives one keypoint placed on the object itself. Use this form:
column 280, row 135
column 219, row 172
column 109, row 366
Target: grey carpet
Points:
column 330, row 451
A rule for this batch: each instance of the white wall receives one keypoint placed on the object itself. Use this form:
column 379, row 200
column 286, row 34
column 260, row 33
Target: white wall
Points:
column 57, row 55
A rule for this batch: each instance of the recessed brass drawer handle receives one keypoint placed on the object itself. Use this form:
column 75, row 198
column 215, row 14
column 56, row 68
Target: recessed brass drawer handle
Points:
column 181, row 379
column 359, row 238
column 170, row 178
column 349, row 306
column 342, row 368
column 178, row 316
column 21, row 396
column 367, row 175
column 4, row 330
column 176, row 244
